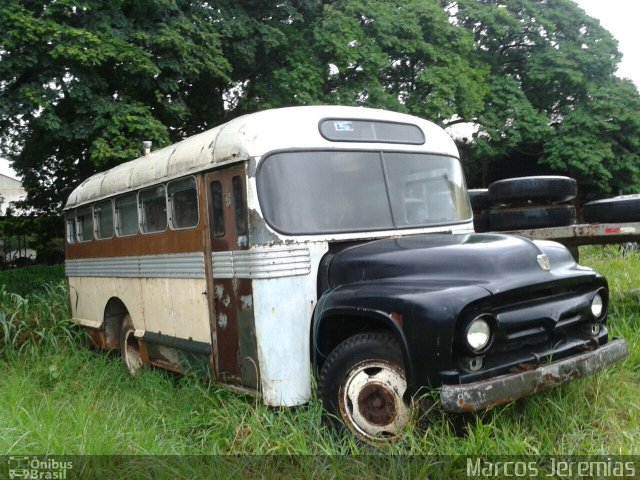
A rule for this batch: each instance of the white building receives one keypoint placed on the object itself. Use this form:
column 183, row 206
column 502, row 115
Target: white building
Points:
column 10, row 191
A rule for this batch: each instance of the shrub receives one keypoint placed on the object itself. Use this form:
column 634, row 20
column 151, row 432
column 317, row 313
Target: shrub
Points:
column 40, row 318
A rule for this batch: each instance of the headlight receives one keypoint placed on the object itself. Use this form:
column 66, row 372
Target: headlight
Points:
column 478, row 334
column 597, row 306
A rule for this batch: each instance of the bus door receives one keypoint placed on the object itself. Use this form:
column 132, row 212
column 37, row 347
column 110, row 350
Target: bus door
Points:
column 234, row 336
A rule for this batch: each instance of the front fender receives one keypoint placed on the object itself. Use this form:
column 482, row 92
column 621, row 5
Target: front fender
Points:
column 423, row 318
column 389, row 319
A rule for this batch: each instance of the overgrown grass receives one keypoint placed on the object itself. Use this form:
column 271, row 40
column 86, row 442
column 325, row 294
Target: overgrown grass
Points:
column 57, row 396
column 39, row 319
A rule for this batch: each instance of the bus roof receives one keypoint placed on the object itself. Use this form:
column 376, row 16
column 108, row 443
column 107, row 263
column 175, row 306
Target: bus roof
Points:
column 248, row 136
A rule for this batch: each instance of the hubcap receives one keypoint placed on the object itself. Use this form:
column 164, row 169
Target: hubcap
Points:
column 371, row 400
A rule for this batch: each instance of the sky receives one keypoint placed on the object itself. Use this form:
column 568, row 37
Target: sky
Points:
column 620, row 17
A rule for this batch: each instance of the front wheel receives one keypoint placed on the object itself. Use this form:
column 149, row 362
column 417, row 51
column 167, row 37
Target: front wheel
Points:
column 363, row 383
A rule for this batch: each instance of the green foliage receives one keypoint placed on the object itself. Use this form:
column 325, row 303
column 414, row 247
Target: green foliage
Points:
column 599, row 140
column 401, row 56
column 554, row 105
column 40, row 233
column 24, row 281
column 40, row 319
column 83, row 83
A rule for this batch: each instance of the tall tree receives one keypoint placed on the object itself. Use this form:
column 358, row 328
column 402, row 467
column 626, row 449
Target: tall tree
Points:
column 552, row 85
column 598, row 142
column 83, row 82
column 401, row 55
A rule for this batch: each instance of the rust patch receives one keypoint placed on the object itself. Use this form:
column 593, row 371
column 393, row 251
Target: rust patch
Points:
column 96, row 337
column 501, row 401
column 523, row 367
column 397, row 318
column 472, row 407
column 169, row 241
column 377, row 404
column 551, row 379
column 469, row 407
column 232, row 299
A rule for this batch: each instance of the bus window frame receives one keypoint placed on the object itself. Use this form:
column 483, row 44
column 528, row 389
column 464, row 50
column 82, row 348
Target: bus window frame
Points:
column 70, row 220
column 113, row 219
column 170, row 208
column 134, row 194
column 77, row 230
column 141, row 217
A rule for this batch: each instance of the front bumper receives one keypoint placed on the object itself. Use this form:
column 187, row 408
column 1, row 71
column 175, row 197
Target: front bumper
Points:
column 486, row 394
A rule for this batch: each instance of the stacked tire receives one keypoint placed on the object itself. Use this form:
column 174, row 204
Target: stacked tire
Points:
column 480, row 204
column 524, row 203
column 620, row 209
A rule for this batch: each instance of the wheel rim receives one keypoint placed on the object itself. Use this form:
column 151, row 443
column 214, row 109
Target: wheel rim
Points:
column 371, row 400
column 132, row 357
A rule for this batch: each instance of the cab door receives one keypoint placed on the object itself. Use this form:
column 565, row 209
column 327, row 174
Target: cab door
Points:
column 232, row 298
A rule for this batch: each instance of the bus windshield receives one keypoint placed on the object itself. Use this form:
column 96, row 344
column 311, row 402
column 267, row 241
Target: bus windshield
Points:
column 347, row 191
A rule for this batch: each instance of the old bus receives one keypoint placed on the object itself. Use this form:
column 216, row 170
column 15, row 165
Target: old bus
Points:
column 328, row 241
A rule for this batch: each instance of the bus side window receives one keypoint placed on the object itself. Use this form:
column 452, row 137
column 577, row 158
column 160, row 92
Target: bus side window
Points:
column 240, row 206
column 103, row 215
column 71, row 226
column 217, row 209
column 126, row 215
column 183, row 203
column 84, row 224
column 153, row 209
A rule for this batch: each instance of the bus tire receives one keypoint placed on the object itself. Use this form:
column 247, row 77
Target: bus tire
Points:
column 479, row 198
column 130, row 347
column 623, row 208
column 363, row 383
column 550, row 188
column 481, row 222
column 532, row 217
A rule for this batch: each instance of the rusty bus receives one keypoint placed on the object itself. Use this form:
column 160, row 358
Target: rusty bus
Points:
column 328, row 241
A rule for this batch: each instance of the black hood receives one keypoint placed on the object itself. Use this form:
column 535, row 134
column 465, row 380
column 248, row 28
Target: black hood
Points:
column 495, row 262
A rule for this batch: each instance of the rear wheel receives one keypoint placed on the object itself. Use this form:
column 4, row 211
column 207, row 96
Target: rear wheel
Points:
column 130, row 348
column 363, row 383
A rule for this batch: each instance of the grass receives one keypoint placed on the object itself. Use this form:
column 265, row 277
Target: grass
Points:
column 59, row 397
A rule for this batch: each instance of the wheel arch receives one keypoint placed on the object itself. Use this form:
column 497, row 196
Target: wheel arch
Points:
column 114, row 312
column 337, row 324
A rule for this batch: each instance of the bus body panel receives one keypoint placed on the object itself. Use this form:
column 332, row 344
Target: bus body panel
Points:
column 250, row 136
column 172, row 307
column 282, row 330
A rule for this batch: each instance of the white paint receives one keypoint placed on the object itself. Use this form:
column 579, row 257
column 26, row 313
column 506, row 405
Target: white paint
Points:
column 87, row 323
column 283, row 324
column 246, row 302
column 248, row 136
column 174, row 307
column 223, row 321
